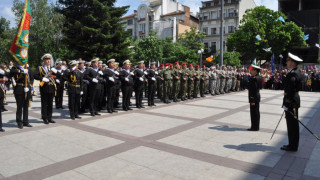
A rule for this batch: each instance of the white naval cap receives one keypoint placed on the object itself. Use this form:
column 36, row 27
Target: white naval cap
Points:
column 110, row 60
column 294, row 57
column 46, row 56
column 73, row 62
column 95, row 59
column 127, row 61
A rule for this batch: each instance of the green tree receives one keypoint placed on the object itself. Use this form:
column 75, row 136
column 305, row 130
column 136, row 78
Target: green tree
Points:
column 230, row 58
column 45, row 30
column 148, row 49
column 94, row 29
column 6, row 38
column 274, row 34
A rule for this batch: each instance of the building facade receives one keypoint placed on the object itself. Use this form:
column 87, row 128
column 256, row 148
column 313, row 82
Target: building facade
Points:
column 306, row 14
column 210, row 23
column 168, row 18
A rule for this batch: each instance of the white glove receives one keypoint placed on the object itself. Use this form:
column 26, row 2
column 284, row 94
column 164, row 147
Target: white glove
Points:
column 127, row 79
column 74, row 68
column 153, row 79
column 131, row 73
column 100, row 72
column 2, row 71
column 26, row 89
column 58, row 81
column 25, row 71
column 116, row 72
column 145, row 72
column 111, row 79
column 45, row 79
column 81, row 92
column 54, row 70
column 141, row 79
column 285, row 108
column 95, row 80
column 156, row 72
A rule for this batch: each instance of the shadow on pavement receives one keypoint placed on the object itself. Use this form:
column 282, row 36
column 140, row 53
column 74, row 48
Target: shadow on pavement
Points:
column 226, row 128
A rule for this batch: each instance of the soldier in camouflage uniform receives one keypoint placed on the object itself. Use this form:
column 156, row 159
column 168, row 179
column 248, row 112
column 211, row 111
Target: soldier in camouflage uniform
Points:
column 170, row 90
column 228, row 80
column 196, row 81
column 222, row 79
column 218, row 72
column 190, row 82
column 203, row 79
column 176, row 73
column 166, row 77
column 207, row 91
column 234, row 79
column 213, row 80
column 160, row 83
column 184, row 81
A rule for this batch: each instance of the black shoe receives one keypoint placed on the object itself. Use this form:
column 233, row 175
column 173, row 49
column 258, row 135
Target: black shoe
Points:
column 153, row 105
column 130, row 109
column 114, row 111
column 125, row 109
column 20, row 125
column 51, row 121
column 92, row 114
column 27, row 125
column 97, row 114
column 45, row 121
column 110, row 111
column 2, row 130
column 288, row 148
column 73, row 118
column 62, row 107
column 57, row 107
column 250, row 129
column 4, row 109
column 78, row 117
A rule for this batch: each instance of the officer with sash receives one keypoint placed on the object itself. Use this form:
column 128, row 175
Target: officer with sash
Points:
column 21, row 93
column 48, row 88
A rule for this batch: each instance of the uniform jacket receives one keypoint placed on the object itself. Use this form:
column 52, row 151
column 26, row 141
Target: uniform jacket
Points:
column 19, row 77
column 90, row 74
column 48, row 87
column 74, row 79
column 254, row 89
column 124, row 74
column 291, row 88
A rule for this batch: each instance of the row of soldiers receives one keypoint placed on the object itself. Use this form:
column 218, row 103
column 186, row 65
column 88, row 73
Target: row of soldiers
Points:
column 95, row 86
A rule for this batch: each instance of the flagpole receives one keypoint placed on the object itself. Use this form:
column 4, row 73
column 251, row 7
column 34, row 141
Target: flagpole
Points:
column 26, row 81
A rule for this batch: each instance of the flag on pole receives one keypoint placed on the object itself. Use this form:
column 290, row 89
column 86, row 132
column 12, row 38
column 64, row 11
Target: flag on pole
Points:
column 254, row 62
column 281, row 19
column 20, row 44
column 272, row 63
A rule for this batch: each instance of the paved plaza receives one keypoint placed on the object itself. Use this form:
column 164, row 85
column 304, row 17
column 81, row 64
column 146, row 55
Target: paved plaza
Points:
column 204, row 139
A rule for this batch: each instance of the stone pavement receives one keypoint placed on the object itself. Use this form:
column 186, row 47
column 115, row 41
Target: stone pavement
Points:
column 199, row 139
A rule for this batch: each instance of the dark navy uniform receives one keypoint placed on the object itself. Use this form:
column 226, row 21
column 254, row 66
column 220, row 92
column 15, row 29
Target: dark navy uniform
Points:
column 254, row 87
column 22, row 98
column 112, row 78
column 74, row 79
column 291, row 101
column 47, row 91
column 94, row 89
column 60, row 89
column 2, row 94
column 139, row 81
column 151, row 76
column 126, row 88
column 84, row 85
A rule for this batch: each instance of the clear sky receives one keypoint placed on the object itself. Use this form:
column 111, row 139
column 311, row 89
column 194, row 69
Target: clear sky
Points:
column 6, row 5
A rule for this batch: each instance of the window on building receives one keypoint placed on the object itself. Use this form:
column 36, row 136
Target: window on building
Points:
column 206, row 16
column 231, row 12
column 206, row 45
column 142, row 28
column 205, row 30
column 213, row 31
column 214, row 15
column 231, row 29
column 208, row 4
column 226, row 1
column 214, row 47
column 130, row 21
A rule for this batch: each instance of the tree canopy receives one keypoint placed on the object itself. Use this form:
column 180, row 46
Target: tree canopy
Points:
column 93, row 29
column 272, row 33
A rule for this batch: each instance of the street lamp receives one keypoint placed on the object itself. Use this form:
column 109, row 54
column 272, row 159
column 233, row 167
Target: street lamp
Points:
column 200, row 51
